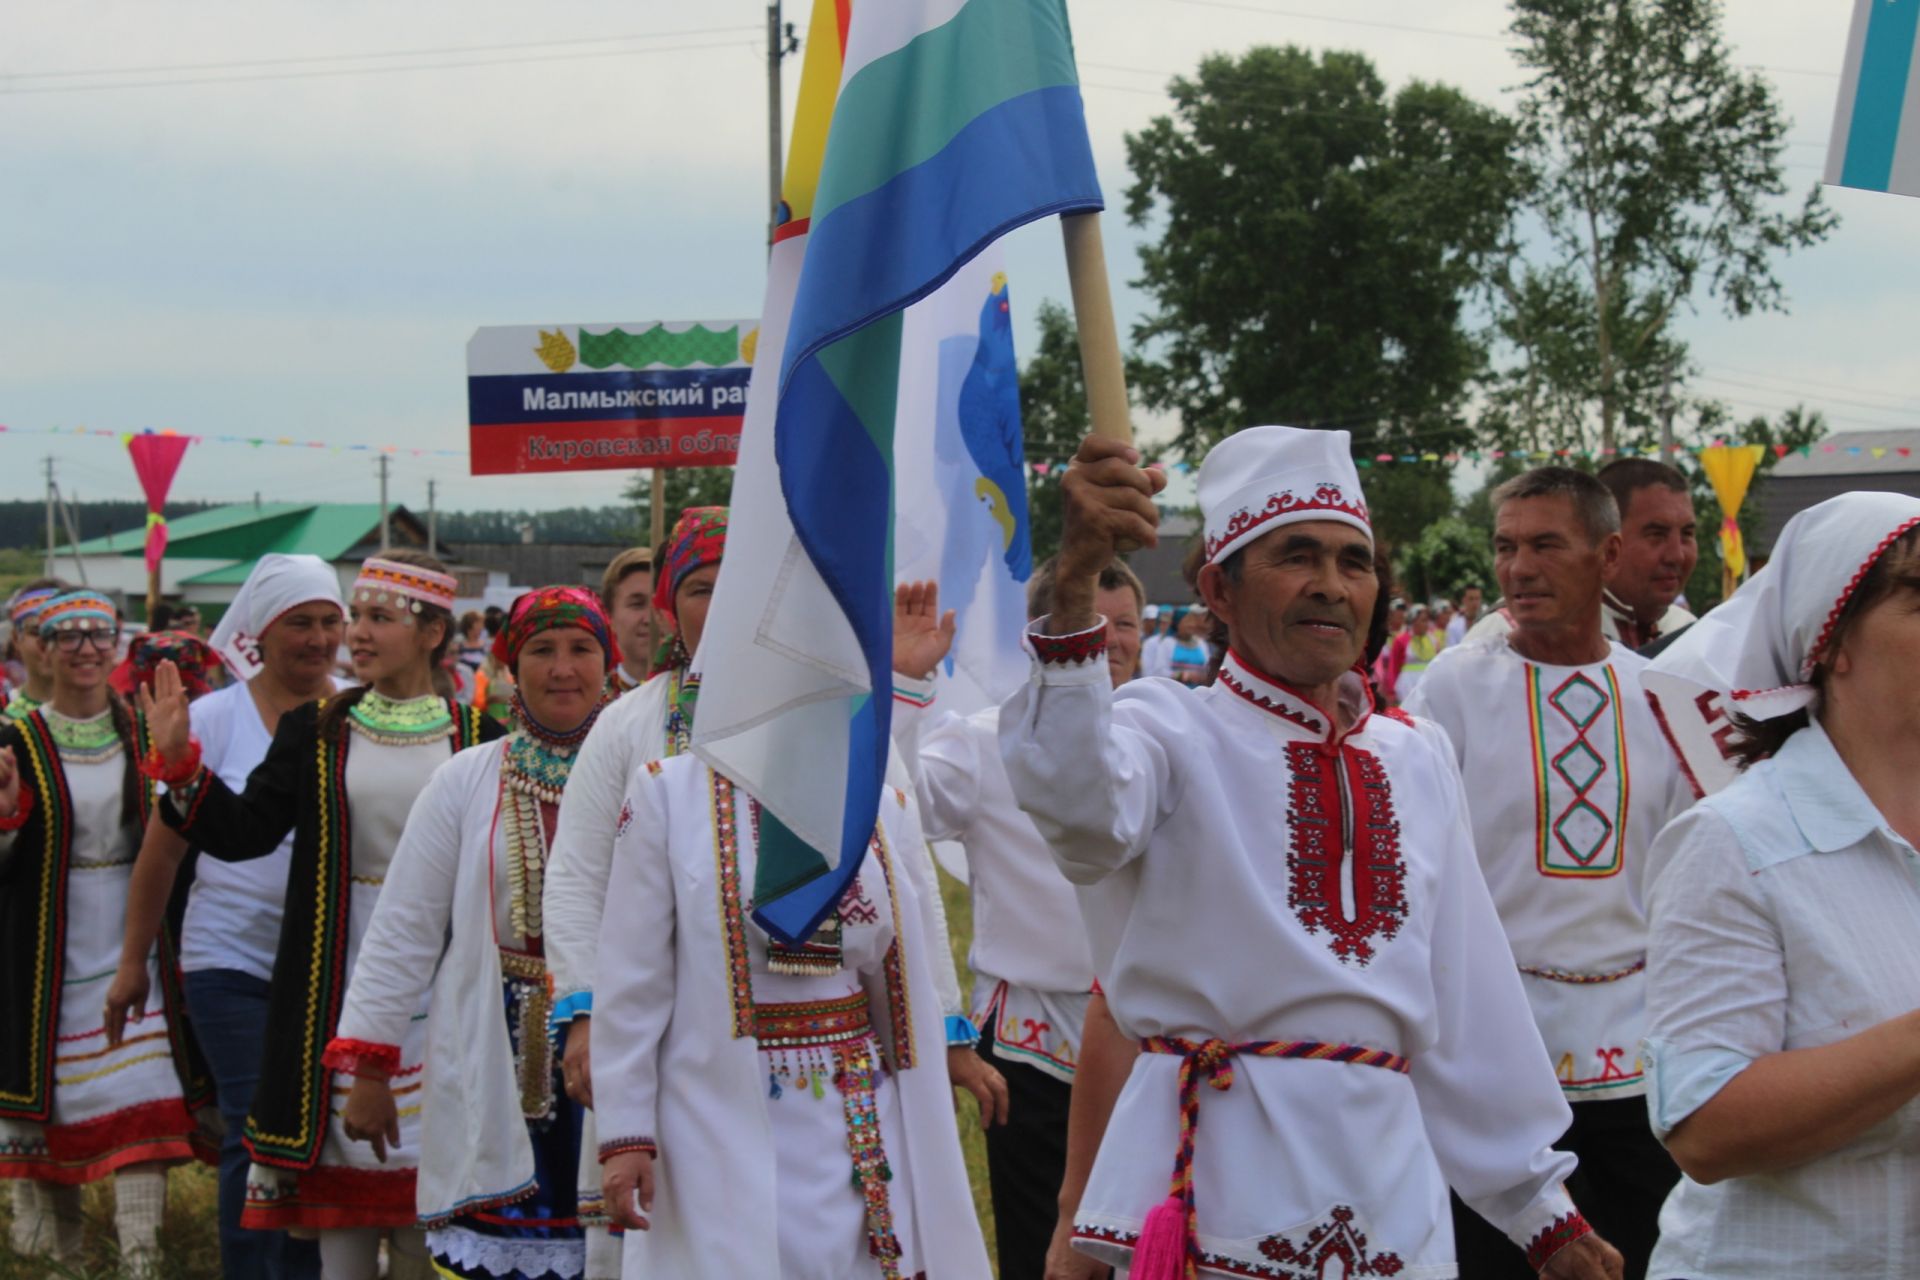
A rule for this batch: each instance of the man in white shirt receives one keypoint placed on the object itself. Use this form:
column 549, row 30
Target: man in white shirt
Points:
column 1568, row 782
column 1032, row 966
column 1281, row 893
column 1640, row 602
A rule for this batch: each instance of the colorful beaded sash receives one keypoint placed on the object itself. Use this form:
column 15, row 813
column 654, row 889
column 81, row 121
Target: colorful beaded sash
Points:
column 812, row 1022
column 812, row 1042
column 1212, row 1061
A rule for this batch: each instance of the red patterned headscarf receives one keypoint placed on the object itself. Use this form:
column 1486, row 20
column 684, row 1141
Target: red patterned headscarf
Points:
column 545, row 608
column 699, row 538
column 192, row 655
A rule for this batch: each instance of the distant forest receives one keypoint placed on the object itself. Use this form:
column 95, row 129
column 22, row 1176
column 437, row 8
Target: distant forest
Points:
column 24, row 524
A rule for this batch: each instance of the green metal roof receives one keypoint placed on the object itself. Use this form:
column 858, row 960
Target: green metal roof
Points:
column 244, row 532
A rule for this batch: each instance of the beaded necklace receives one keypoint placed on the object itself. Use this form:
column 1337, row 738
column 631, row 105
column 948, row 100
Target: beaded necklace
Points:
column 397, row 723
column 533, row 772
column 20, row 706
column 84, row 741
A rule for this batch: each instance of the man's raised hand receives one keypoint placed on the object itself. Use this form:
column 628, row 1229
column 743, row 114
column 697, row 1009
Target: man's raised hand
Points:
column 922, row 635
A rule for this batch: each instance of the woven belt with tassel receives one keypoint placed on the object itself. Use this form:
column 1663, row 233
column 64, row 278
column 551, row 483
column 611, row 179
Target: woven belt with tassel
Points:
column 1169, row 1244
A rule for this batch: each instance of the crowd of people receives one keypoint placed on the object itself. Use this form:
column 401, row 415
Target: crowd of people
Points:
column 1469, row 961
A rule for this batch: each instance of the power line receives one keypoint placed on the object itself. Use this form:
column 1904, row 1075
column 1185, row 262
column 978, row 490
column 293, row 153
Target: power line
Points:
column 1451, row 33
column 1818, row 397
column 366, row 71
column 1850, row 387
column 244, row 64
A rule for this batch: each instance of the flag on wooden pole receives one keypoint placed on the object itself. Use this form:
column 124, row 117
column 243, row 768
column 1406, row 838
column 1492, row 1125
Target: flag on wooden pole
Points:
column 956, row 121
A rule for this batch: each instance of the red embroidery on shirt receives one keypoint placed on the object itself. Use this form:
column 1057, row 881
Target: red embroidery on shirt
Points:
column 1339, row 806
column 1069, row 650
column 1554, row 1237
column 1335, row 1239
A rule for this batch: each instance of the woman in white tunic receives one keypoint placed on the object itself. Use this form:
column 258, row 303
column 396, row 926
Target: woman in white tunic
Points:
column 795, row 1098
column 74, row 1109
column 1783, row 1041
column 341, row 775
column 500, row 1140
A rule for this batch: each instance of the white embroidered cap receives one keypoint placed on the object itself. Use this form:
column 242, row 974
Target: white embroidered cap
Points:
column 1261, row 478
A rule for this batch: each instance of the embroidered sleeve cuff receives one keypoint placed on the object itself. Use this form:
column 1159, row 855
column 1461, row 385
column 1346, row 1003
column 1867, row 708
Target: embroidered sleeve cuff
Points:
column 961, row 1033
column 1079, row 651
column 1554, row 1237
column 362, row 1058
column 911, row 692
column 1680, row 1083
column 620, row 1146
column 578, row 1004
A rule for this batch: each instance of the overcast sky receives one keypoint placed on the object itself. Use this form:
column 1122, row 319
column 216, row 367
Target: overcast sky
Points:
column 282, row 242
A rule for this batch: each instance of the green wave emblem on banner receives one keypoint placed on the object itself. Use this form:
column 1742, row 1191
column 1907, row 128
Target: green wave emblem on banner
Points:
column 698, row 345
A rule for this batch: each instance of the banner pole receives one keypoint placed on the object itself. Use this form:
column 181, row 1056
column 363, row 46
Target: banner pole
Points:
column 1100, row 362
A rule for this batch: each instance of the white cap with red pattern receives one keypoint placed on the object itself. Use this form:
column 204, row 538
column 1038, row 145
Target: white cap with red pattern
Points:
column 1262, row 478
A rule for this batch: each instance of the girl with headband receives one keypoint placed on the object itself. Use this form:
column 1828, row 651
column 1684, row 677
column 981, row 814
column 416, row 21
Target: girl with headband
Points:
column 73, row 1108
column 342, row 775
column 501, row 1153
column 23, row 615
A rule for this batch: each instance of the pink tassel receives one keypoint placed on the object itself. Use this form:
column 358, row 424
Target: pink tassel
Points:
column 1161, row 1252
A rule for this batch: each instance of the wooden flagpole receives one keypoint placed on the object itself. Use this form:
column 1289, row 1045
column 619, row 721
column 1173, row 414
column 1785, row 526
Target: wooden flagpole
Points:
column 1100, row 363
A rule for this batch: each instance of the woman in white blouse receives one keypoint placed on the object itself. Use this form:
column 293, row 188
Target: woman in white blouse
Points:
column 1784, row 996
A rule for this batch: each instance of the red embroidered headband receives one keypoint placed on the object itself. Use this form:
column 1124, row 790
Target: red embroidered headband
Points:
column 546, row 608
column 24, row 609
column 390, row 582
column 77, row 609
column 699, row 538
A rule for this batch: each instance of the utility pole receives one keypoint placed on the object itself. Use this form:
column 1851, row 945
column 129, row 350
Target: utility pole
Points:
column 780, row 43
column 386, row 525
column 1666, row 421
column 433, row 541
column 48, row 570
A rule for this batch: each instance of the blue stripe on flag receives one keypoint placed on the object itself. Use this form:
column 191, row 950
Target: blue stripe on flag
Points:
column 839, row 492
column 1880, row 92
column 1021, row 160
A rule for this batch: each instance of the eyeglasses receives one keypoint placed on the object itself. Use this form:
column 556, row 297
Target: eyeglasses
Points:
column 70, row 641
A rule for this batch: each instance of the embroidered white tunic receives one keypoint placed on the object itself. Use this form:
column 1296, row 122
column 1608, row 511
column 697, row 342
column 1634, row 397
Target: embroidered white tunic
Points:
column 1032, row 964
column 442, row 917
column 748, row 1184
column 1617, row 623
column 384, row 779
column 1254, row 875
column 1568, row 782
column 111, row 1107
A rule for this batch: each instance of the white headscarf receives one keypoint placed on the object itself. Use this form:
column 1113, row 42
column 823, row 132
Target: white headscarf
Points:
column 1755, row 654
column 277, row 585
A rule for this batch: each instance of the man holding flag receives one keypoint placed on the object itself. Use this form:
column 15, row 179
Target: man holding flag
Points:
column 1282, row 896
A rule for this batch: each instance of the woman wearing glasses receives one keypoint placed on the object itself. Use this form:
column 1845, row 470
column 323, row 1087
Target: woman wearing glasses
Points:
column 72, row 807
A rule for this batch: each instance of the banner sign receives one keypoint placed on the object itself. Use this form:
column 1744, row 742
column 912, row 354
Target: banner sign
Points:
column 591, row 397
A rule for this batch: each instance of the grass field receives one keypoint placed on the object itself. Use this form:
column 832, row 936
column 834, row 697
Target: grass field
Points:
column 189, row 1241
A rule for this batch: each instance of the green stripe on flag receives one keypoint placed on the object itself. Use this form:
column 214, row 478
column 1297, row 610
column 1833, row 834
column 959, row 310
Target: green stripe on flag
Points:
column 901, row 110
column 865, row 367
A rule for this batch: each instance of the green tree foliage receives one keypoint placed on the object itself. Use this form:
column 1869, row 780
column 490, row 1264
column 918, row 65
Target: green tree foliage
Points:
column 567, row 524
column 1319, row 241
column 1053, row 418
column 1654, row 178
column 1449, row 556
column 685, row 487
